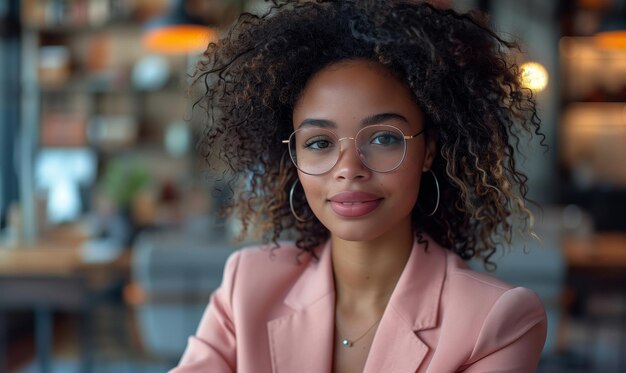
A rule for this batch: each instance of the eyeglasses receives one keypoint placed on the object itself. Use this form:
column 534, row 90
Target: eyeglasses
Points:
column 380, row 147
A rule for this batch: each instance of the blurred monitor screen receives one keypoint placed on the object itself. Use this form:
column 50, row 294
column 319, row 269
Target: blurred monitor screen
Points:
column 60, row 172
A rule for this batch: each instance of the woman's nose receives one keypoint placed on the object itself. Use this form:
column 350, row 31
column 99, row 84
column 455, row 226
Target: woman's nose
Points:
column 349, row 165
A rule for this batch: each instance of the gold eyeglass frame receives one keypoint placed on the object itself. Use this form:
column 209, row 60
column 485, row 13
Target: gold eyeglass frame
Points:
column 356, row 148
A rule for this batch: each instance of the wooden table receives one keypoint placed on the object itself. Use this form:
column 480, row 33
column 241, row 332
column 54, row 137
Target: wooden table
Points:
column 50, row 275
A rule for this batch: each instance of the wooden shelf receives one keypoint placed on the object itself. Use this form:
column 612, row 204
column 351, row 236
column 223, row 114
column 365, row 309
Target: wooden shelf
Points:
column 69, row 30
column 84, row 86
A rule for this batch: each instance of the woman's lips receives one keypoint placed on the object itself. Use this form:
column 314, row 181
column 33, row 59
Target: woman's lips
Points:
column 354, row 204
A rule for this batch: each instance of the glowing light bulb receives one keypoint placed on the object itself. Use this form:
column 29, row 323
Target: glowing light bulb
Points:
column 534, row 76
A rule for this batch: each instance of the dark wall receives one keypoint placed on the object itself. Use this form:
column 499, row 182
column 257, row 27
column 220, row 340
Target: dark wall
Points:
column 9, row 103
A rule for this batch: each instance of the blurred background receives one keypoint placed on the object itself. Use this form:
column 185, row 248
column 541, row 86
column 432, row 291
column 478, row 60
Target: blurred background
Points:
column 110, row 241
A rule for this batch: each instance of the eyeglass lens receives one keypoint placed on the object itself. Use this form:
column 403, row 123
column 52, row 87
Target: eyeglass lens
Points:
column 316, row 150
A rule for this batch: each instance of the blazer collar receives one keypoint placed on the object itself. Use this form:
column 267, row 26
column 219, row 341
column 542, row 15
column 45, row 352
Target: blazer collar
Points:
column 317, row 281
column 417, row 295
column 413, row 306
column 305, row 337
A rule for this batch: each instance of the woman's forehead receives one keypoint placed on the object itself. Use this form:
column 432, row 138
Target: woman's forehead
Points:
column 353, row 91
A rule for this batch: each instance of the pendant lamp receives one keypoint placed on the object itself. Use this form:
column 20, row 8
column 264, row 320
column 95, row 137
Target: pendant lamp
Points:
column 177, row 32
column 612, row 32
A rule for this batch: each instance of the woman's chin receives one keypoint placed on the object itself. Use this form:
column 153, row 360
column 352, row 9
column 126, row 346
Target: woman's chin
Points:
column 355, row 234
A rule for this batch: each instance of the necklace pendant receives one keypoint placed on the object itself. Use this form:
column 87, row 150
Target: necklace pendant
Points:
column 346, row 342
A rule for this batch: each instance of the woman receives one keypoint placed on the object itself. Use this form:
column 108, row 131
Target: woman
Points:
column 377, row 132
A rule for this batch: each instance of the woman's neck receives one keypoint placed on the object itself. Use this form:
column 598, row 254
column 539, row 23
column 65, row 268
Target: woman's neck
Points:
column 367, row 272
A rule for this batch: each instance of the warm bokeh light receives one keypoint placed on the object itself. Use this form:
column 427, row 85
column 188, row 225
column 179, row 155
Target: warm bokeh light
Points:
column 534, row 76
column 611, row 39
column 178, row 39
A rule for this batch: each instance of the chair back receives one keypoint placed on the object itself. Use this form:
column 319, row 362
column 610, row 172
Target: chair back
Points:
column 178, row 274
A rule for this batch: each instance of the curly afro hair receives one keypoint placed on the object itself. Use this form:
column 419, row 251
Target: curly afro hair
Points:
column 457, row 68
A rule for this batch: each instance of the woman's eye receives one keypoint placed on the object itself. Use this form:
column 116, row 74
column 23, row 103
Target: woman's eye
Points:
column 385, row 139
column 317, row 144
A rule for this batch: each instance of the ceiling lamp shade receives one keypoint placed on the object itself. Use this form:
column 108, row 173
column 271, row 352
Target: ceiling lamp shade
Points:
column 612, row 32
column 177, row 32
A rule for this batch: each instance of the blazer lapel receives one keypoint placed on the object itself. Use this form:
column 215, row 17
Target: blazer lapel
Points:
column 303, row 339
column 413, row 307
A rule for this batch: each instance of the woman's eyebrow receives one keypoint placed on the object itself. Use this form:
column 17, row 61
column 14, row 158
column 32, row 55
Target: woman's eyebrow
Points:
column 312, row 122
column 372, row 119
column 381, row 118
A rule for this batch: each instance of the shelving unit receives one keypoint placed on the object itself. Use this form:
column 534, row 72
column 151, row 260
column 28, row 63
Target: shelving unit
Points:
column 80, row 92
column 593, row 133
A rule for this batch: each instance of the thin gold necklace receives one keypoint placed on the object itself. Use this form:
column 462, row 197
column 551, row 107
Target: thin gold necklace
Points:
column 350, row 342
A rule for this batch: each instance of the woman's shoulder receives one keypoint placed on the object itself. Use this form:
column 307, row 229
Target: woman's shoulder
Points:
column 282, row 255
column 480, row 314
column 463, row 276
column 266, row 264
column 506, row 310
column 477, row 292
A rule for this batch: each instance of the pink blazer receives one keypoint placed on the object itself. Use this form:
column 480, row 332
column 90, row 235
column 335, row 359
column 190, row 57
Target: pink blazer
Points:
column 275, row 313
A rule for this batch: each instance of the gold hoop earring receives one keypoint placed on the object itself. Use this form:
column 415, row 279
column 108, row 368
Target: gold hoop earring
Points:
column 438, row 193
column 293, row 211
